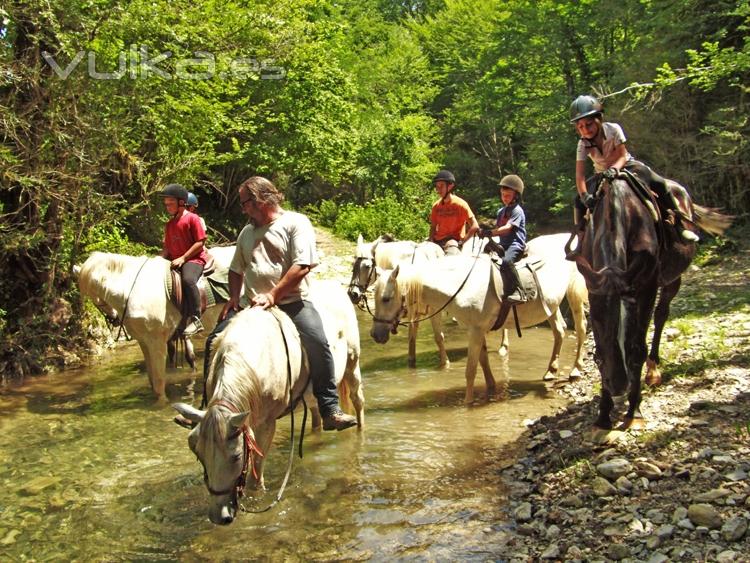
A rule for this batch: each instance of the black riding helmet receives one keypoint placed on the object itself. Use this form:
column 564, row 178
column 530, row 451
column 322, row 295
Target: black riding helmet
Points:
column 445, row 176
column 585, row 106
column 177, row 191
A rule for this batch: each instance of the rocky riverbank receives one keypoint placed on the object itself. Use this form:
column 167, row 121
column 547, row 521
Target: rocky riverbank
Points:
column 677, row 490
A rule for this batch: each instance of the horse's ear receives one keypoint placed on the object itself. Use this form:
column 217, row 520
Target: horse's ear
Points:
column 394, row 273
column 360, row 240
column 189, row 412
column 238, row 420
column 76, row 270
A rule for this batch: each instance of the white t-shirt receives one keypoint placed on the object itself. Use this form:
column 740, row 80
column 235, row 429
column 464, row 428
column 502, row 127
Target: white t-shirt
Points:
column 264, row 254
column 614, row 136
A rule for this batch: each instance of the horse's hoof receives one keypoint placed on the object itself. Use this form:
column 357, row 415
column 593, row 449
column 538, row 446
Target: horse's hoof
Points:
column 574, row 375
column 502, row 351
column 549, row 376
column 632, row 424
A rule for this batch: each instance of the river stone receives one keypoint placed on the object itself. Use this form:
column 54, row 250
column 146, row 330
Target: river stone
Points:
column 737, row 475
column 680, row 513
column 564, row 434
column 656, row 516
column 652, row 542
column 686, row 524
column 727, row 556
column 523, row 512
column 712, row 495
column 572, row 501
column 624, row 485
column 38, row 484
column 603, row 488
column 648, row 470
column 618, row 551
column 553, row 532
column 665, row 532
column 657, row 557
column 734, row 528
column 614, row 468
column 10, row 537
column 574, row 552
column 552, row 552
column 704, row 515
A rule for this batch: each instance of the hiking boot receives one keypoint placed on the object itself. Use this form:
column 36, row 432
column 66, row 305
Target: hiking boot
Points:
column 338, row 420
column 194, row 327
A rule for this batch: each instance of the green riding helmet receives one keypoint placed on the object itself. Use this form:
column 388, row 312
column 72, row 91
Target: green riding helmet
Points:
column 513, row 182
column 585, row 106
column 177, row 191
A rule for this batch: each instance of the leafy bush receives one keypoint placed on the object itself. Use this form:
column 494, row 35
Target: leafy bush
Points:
column 382, row 215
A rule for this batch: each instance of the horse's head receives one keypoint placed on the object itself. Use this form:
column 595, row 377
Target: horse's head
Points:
column 363, row 275
column 389, row 306
column 225, row 445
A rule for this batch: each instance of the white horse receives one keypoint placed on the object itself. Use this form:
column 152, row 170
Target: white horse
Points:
column 249, row 389
column 407, row 289
column 385, row 255
column 113, row 281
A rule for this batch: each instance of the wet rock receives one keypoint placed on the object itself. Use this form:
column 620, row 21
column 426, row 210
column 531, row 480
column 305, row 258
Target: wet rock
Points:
column 652, row 542
column 704, row 515
column 657, row 557
column 686, row 524
column 665, row 532
column 656, row 516
column 603, row 488
column 614, row 468
column 727, row 556
column 553, row 532
column 734, row 528
column 737, row 475
column 39, row 484
column 618, row 551
column 679, row 513
column 10, row 537
column 573, row 501
column 527, row 530
column 624, row 485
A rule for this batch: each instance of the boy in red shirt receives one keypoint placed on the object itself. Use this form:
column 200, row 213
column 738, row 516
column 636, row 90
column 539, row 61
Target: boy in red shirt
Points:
column 184, row 237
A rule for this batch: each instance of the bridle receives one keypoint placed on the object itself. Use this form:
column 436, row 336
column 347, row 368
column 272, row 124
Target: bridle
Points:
column 115, row 321
column 355, row 271
column 250, row 449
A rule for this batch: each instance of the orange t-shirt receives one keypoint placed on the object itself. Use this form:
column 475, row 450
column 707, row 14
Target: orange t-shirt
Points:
column 449, row 219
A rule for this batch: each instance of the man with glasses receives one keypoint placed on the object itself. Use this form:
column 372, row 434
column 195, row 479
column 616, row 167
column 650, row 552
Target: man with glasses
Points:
column 274, row 254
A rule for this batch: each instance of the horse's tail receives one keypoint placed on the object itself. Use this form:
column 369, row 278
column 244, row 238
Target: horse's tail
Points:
column 345, row 400
column 711, row 220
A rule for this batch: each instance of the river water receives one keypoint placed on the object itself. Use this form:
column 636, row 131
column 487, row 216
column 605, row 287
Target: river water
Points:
column 93, row 470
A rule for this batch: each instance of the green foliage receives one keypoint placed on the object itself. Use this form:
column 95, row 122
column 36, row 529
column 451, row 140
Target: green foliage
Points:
column 380, row 216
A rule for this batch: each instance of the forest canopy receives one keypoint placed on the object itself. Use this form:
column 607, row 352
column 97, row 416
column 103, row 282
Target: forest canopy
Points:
column 350, row 107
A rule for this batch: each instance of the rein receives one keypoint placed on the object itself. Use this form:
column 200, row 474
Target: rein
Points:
column 113, row 321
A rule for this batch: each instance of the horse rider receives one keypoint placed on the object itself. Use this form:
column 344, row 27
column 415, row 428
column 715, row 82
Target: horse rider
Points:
column 192, row 205
column 275, row 252
column 604, row 143
column 452, row 221
column 183, row 246
column 510, row 226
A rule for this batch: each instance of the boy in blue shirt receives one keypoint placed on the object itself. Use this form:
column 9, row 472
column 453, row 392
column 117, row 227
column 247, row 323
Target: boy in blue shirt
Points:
column 510, row 227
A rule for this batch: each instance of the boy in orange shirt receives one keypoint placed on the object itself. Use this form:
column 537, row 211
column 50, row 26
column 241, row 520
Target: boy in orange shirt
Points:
column 452, row 221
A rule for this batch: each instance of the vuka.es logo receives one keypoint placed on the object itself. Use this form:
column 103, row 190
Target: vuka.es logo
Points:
column 136, row 63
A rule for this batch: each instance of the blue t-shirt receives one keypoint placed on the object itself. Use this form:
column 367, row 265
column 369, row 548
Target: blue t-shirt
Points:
column 514, row 215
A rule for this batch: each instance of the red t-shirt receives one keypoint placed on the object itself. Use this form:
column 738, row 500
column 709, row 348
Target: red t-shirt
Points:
column 182, row 232
column 449, row 219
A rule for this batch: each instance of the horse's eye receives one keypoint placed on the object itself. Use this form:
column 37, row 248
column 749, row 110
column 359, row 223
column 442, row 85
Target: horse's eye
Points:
column 236, row 458
column 386, row 299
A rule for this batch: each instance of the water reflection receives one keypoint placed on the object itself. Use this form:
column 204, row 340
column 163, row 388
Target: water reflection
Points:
column 95, row 470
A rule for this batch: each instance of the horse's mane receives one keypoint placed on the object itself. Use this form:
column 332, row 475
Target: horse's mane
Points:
column 102, row 273
column 411, row 287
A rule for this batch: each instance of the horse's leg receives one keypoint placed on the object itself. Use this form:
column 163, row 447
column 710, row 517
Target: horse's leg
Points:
column 413, row 328
column 504, row 343
column 484, row 361
column 474, row 351
column 638, row 318
column 668, row 292
column 578, row 311
column 189, row 353
column 437, row 331
column 606, row 404
column 171, row 353
column 353, row 376
column 557, row 323
column 263, row 437
column 154, row 348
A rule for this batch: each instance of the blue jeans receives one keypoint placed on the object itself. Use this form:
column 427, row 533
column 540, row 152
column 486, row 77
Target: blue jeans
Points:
column 310, row 327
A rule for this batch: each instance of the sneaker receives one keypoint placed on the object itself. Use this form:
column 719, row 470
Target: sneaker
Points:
column 194, row 327
column 689, row 236
column 516, row 297
column 338, row 420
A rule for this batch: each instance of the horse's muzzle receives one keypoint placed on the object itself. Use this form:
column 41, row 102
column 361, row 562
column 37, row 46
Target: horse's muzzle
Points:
column 355, row 295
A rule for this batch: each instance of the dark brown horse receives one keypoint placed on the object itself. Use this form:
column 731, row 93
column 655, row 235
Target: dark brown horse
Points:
column 626, row 257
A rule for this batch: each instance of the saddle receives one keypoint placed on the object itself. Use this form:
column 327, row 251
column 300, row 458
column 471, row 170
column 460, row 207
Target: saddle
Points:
column 527, row 269
column 213, row 287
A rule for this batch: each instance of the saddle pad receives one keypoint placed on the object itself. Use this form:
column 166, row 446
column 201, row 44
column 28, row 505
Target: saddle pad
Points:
column 526, row 272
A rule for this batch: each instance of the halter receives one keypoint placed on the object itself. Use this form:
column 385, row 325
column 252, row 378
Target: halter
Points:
column 357, row 265
column 250, row 448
